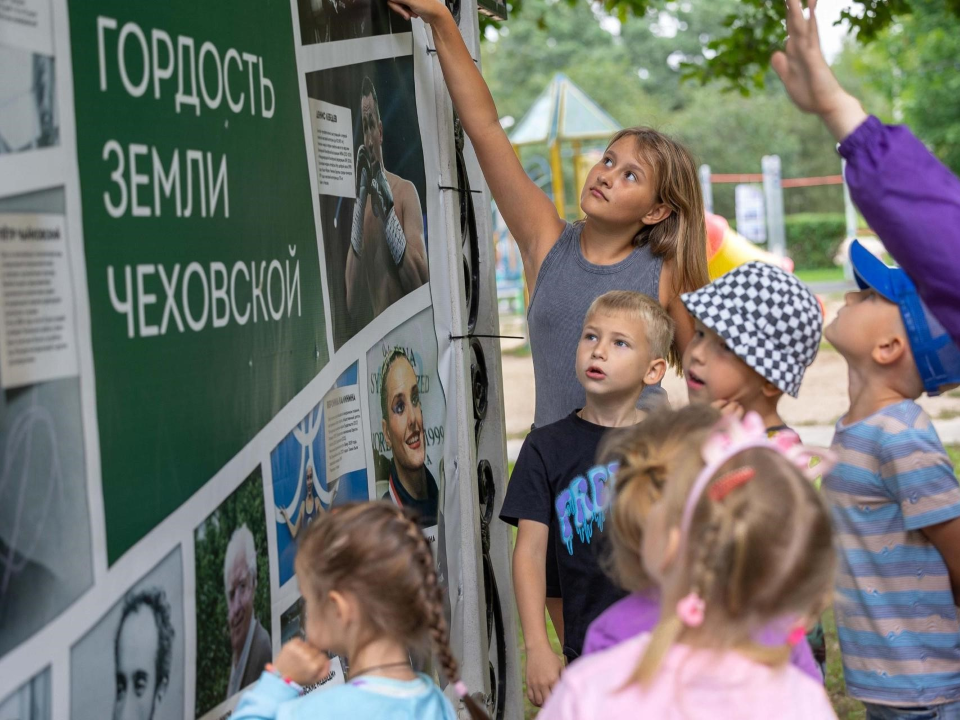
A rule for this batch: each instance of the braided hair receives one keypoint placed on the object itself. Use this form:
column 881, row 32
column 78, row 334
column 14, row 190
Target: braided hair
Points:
column 378, row 552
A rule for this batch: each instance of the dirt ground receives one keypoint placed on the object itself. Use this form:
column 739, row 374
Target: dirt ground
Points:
column 823, row 395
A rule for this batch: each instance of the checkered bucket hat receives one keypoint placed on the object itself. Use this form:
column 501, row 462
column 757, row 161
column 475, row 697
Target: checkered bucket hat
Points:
column 767, row 317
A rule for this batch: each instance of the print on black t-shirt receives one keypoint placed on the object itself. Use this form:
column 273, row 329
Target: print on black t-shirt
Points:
column 557, row 482
column 580, row 505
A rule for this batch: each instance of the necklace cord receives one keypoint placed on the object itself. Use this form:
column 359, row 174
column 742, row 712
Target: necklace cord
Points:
column 372, row 668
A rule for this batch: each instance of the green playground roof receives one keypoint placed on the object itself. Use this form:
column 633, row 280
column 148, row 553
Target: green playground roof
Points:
column 565, row 112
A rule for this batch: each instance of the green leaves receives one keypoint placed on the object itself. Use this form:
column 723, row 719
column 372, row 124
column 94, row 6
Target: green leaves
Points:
column 874, row 16
column 742, row 57
column 739, row 57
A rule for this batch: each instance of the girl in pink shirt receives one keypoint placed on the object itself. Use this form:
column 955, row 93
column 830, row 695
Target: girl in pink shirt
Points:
column 640, row 482
column 741, row 548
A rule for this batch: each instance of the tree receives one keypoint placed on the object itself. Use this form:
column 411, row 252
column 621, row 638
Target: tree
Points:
column 751, row 30
column 916, row 64
column 636, row 77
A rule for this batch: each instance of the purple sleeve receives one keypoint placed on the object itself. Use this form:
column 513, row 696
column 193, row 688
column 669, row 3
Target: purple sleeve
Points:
column 600, row 635
column 626, row 618
column 801, row 657
column 912, row 201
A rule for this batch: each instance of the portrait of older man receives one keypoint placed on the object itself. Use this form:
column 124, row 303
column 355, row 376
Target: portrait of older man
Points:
column 141, row 651
column 249, row 641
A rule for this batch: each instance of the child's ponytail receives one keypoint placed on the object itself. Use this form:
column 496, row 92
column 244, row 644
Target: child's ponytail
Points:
column 647, row 457
column 752, row 550
column 431, row 599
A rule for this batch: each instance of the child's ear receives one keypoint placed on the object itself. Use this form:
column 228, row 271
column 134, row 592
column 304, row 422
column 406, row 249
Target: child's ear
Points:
column 770, row 390
column 655, row 371
column 342, row 606
column 658, row 213
column 889, row 350
column 672, row 549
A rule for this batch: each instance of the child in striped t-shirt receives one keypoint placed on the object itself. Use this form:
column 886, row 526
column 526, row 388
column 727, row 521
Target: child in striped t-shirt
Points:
column 895, row 503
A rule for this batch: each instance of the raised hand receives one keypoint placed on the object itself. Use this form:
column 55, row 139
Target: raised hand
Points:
column 808, row 79
column 302, row 663
column 427, row 10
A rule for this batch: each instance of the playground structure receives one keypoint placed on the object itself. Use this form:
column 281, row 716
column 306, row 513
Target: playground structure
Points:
column 563, row 114
column 727, row 249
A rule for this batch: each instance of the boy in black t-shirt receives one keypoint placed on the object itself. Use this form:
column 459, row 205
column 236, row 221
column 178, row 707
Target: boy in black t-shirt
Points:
column 557, row 483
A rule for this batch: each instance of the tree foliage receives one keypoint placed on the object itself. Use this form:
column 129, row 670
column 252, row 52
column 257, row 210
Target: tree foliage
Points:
column 751, row 30
column 916, row 66
column 637, row 77
column 244, row 506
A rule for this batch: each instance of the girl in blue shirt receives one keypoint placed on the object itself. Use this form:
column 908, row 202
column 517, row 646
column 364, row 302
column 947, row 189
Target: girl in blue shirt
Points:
column 370, row 591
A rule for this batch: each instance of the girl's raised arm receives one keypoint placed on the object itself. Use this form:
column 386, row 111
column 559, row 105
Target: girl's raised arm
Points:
column 529, row 213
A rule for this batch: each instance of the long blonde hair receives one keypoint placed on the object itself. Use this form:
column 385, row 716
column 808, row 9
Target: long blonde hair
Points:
column 683, row 234
column 761, row 552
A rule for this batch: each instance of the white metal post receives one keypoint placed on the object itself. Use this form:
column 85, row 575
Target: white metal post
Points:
column 773, row 199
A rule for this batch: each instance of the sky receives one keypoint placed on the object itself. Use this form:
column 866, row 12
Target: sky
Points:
column 828, row 12
column 831, row 37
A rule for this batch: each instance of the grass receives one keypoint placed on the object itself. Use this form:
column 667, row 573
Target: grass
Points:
column 954, row 452
column 821, row 275
column 529, row 709
column 518, row 351
column 845, row 706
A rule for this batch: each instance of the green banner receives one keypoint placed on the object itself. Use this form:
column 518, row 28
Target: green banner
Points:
column 201, row 251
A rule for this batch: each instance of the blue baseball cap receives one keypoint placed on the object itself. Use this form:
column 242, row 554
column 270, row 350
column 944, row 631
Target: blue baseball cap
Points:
column 936, row 355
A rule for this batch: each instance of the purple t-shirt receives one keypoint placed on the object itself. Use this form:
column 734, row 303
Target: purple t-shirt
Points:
column 639, row 613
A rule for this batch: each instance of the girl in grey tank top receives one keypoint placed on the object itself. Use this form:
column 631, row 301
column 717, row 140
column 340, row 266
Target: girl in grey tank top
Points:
column 641, row 202
column 566, row 286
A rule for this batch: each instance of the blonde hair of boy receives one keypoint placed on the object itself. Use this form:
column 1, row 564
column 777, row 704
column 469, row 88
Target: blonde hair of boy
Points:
column 763, row 552
column 637, row 306
column 647, row 455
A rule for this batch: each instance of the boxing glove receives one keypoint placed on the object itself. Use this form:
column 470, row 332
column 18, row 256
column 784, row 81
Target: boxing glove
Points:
column 381, row 198
column 362, row 176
